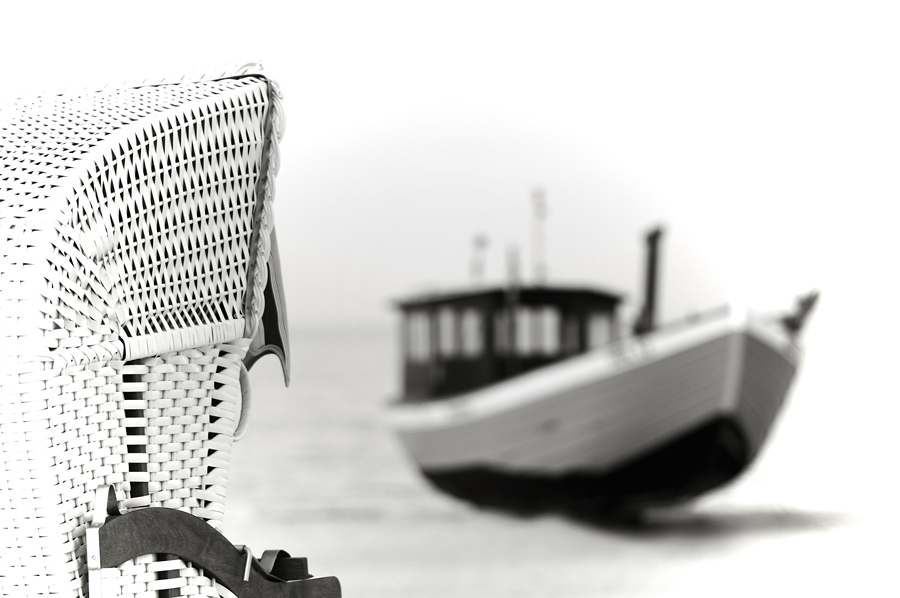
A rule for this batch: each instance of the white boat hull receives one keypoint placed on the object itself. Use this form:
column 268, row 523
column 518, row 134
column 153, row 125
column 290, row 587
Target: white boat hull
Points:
column 662, row 417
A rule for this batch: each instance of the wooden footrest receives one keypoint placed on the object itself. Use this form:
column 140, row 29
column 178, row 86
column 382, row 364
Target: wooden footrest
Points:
column 114, row 538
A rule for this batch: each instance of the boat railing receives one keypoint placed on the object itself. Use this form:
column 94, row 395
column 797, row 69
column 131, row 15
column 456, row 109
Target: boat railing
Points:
column 694, row 318
column 666, row 329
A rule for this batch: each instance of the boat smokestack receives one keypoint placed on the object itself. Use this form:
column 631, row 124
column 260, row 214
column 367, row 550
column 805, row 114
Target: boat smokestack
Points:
column 646, row 320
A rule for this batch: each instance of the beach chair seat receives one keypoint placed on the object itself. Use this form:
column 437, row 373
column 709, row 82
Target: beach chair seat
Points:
column 137, row 262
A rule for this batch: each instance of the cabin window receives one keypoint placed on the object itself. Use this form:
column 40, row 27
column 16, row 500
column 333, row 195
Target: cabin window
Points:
column 570, row 341
column 501, row 332
column 599, row 330
column 548, row 328
column 537, row 330
column 524, row 331
column 418, row 336
column 506, row 334
column 447, row 337
column 472, row 333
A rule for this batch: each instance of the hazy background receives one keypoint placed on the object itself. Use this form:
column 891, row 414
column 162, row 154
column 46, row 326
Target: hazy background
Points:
column 765, row 136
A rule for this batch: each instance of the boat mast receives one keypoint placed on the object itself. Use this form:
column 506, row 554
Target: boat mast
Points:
column 538, row 239
column 476, row 266
column 646, row 320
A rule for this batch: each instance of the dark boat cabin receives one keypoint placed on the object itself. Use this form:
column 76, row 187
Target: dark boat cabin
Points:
column 456, row 342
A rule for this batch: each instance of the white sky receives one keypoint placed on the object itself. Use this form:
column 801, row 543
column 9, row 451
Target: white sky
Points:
column 765, row 138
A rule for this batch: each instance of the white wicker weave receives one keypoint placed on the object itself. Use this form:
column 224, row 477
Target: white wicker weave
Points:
column 134, row 231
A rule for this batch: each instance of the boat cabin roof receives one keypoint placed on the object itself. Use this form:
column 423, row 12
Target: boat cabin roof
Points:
column 525, row 295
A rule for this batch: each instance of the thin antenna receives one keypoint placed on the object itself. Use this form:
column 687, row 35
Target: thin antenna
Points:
column 476, row 266
column 538, row 238
column 512, row 266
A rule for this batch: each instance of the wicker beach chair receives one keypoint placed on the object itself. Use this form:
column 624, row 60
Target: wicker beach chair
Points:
column 136, row 266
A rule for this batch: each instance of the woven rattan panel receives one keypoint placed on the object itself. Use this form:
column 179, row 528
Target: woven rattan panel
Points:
column 133, row 237
column 149, row 193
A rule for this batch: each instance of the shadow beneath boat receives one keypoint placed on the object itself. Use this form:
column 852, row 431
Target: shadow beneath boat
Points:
column 699, row 524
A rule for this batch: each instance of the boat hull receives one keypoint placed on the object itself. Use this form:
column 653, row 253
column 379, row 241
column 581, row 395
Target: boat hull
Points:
column 687, row 466
column 658, row 421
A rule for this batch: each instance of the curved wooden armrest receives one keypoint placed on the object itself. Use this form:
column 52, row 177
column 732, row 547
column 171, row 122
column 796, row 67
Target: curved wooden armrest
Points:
column 115, row 539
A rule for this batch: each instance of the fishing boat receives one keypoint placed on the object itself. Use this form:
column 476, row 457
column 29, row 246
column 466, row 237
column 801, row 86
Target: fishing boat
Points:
column 535, row 396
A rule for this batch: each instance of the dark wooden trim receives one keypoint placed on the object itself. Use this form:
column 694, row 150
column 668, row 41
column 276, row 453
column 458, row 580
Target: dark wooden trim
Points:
column 158, row 530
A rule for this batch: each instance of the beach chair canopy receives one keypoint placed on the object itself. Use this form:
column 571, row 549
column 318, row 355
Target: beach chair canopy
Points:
column 135, row 261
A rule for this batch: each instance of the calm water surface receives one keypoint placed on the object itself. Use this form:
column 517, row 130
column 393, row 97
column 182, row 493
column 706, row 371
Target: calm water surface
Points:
column 319, row 474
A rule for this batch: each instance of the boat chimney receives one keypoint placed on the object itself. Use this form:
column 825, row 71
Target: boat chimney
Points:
column 646, row 320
